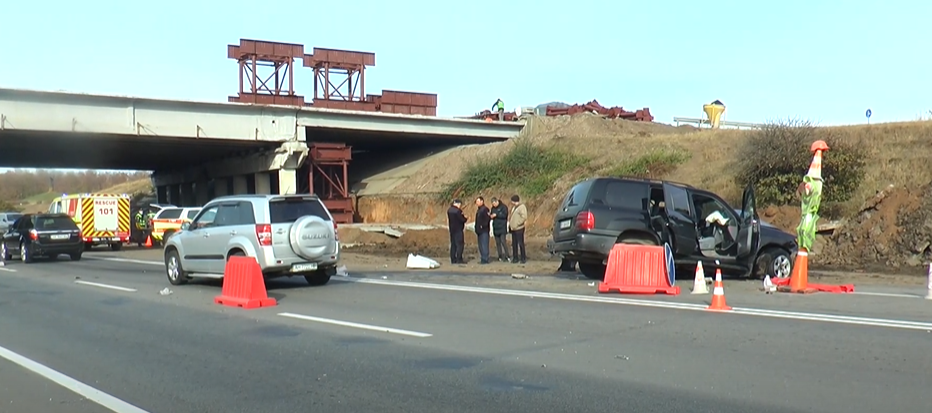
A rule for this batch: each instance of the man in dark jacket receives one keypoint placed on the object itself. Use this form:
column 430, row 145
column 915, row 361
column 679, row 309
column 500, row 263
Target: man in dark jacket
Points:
column 500, row 229
column 456, row 220
column 483, row 225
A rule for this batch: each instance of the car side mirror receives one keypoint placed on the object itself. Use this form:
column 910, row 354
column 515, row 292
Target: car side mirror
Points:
column 187, row 226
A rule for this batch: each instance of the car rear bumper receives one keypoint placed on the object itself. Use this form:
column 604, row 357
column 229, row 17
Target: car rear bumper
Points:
column 288, row 268
column 585, row 247
column 57, row 248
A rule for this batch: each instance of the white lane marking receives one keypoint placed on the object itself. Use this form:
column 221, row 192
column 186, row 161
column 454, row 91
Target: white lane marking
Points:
column 88, row 392
column 887, row 294
column 356, row 325
column 108, row 286
column 7, row 269
column 129, row 260
column 864, row 321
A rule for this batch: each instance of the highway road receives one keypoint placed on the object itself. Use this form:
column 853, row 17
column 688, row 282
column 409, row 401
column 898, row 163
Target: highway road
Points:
column 101, row 329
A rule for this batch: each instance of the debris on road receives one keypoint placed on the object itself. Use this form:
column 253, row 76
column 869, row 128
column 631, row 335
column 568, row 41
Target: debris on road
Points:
column 519, row 276
column 420, row 262
column 769, row 288
column 341, row 271
column 165, row 291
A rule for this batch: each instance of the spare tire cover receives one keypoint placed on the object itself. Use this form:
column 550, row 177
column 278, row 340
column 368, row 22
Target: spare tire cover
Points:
column 311, row 237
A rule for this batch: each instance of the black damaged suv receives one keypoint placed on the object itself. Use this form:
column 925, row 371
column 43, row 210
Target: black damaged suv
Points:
column 598, row 213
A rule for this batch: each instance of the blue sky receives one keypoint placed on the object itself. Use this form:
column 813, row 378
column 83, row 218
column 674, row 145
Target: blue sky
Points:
column 827, row 61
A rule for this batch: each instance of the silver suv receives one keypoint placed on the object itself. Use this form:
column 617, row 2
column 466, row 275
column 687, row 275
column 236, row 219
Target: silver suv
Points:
column 7, row 219
column 287, row 234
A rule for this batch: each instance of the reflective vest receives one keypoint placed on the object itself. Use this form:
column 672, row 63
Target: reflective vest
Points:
column 500, row 104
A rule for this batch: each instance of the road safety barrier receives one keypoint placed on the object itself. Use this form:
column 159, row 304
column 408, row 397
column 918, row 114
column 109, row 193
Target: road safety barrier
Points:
column 640, row 269
column 243, row 285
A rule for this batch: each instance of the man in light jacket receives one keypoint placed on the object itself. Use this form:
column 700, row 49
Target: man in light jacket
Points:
column 516, row 226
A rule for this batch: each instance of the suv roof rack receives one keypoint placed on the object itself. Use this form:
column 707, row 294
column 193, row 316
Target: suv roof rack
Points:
column 650, row 180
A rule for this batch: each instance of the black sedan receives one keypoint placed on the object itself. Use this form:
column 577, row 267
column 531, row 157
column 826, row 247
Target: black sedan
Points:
column 42, row 235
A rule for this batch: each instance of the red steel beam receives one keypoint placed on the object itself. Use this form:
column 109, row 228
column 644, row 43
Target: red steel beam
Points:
column 268, row 70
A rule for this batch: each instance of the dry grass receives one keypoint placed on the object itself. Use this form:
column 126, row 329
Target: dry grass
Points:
column 897, row 153
column 131, row 187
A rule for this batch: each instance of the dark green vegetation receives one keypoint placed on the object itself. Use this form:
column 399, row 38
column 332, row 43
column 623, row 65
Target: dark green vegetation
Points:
column 776, row 157
column 531, row 169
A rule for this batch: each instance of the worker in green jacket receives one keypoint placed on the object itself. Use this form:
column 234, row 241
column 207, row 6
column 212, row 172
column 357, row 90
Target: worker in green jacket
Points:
column 500, row 107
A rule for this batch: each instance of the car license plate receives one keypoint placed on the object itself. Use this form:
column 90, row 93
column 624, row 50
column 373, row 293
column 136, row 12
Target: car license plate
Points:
column 60, row 236
column 303, row 267
column 565, row 224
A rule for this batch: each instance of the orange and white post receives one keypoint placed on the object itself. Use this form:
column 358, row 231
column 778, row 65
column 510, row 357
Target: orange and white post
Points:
column 929, row 286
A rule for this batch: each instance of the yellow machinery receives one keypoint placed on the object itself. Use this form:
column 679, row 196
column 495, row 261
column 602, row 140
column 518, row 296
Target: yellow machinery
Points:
column 714, row 112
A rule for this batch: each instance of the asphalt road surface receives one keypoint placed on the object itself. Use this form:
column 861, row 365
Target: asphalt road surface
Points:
column 102, row 327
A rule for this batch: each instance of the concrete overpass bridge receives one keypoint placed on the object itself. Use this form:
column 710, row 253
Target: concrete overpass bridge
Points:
column 198, row 150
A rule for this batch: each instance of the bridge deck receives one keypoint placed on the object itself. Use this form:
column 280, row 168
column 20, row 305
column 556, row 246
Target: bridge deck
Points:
column 43, row 111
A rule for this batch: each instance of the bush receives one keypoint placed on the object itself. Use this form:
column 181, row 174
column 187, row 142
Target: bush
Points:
column 531, row 168
column 8, row 207
column 775, row 158
column 655, row 164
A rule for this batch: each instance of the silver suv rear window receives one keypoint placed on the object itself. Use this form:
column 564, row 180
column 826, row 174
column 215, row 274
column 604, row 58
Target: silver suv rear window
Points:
column 287, row 210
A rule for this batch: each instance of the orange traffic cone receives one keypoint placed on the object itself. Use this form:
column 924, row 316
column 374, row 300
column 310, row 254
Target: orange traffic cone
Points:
column 718, row 294
column 148, row 241
column 799, row 278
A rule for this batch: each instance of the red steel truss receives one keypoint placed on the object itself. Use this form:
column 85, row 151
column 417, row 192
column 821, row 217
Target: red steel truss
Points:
column 328, row 178
column 276, row 85
column 339, row 74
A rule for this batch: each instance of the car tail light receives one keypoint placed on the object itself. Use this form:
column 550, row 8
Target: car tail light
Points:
column 33, row 235
column 585, row 221
column 336, row 235
column 264, row 234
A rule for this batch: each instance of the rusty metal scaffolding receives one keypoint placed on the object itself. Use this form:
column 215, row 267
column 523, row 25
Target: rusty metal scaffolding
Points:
column 275, row 86
column 343, row 66
column 328, row 177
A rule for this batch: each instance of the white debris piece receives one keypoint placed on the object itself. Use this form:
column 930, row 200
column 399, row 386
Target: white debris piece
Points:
column 769, row 288
column 393, row 233
column 519, row 276
column 420, row 262
column 165, row 291
column 341, row 271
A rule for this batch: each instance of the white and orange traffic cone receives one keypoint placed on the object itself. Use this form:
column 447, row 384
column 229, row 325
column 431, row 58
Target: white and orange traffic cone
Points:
column 718, row 294
column 699, row 285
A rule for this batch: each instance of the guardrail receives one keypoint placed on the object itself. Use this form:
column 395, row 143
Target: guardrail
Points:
column 723, row 124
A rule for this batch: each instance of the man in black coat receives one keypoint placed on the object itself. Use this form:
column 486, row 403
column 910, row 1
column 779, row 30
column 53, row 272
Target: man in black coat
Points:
column 500, row 229
column 456, row 220
column 483, row 226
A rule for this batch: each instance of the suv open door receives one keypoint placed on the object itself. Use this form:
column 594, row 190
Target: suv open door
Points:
column 749, row 228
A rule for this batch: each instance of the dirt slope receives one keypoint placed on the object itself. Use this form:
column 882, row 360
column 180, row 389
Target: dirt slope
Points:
column 897, row 155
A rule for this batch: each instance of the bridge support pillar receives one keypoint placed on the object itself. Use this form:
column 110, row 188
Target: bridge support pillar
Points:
column 221, row 186
column 187, row 194
column 263, row 183
column 287, row 181
column 161, row 194
column 240, row 185
column 174, row 195
column 201, row 192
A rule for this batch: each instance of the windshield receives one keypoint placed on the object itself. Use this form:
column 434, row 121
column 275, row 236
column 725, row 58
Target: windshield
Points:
column 13, row 217
column 290, row 209
column 54, row 224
